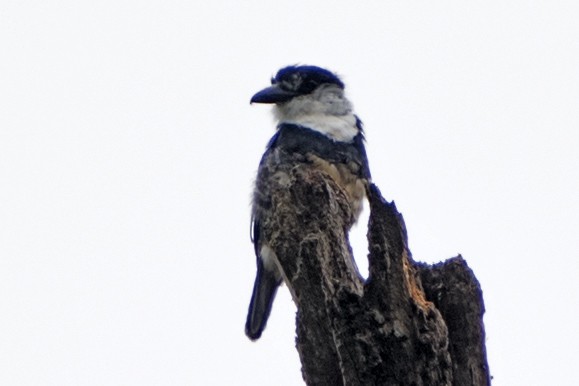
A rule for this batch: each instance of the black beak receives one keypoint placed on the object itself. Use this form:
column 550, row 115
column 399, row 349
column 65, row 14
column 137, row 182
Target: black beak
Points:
column 272, row 94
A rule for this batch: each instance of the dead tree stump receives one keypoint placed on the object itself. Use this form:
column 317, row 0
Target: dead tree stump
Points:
column 386, row 330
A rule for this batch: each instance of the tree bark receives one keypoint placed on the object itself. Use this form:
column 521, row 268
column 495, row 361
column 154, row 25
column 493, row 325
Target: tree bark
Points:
column 386, row 330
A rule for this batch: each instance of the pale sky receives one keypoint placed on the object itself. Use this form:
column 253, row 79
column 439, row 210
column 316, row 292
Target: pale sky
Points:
column 128, row 149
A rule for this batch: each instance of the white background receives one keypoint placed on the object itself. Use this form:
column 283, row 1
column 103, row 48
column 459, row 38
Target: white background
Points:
column 128, row 149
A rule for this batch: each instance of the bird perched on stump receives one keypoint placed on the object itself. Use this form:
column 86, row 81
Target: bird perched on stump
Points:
column 316, row 126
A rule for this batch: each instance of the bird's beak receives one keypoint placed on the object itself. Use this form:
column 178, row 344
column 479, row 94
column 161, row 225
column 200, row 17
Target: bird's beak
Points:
column 273, row 94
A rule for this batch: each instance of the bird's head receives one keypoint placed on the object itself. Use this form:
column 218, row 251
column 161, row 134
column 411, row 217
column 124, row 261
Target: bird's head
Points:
column 311, row 97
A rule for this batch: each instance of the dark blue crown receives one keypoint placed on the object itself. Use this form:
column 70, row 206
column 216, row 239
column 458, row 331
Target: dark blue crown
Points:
column 305, row 79
column 293, row 81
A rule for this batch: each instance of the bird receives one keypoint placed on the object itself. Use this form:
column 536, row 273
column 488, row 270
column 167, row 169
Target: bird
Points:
column 315, row 125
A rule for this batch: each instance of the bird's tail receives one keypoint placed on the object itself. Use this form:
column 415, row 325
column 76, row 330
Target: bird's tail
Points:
column 264, row 290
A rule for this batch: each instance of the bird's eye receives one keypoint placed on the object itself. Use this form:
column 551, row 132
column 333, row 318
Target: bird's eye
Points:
column 310, row 85
column 273, row 81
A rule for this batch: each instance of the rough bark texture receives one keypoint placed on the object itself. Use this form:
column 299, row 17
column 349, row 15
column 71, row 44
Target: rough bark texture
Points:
column 385, row 330
column 456, row 292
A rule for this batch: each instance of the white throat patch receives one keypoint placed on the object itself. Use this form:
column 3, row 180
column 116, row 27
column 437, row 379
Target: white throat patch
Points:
column 326, row 110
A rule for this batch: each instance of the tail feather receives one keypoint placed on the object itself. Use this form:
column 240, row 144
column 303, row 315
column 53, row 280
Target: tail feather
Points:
column 264, row 290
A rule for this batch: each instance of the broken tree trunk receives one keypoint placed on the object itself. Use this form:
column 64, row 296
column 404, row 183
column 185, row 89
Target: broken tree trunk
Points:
column 386, row 330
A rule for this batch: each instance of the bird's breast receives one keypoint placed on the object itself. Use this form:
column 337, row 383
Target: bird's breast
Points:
column 347, row 176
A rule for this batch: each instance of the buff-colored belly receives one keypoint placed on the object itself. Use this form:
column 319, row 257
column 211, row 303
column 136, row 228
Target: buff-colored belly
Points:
column 346, row 176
